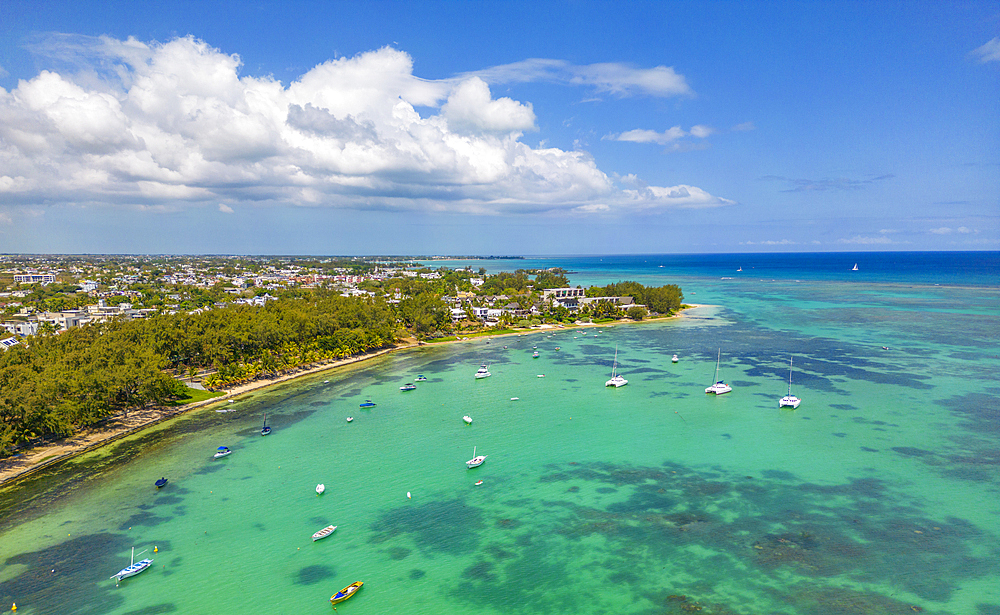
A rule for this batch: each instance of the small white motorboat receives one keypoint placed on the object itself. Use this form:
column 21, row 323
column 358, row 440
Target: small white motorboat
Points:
column 409, row 386
column 534, row 355
column 483, row 372
column 476, row 461
column 222, row 451
column 674, row 359
column 323, row 533
column 421, row 378
column 320, row 488
column 350, row 418
column 514, row 398
column 467, row 419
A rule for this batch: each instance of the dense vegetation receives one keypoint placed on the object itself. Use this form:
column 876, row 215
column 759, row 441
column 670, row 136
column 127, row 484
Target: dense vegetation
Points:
column 58, row 383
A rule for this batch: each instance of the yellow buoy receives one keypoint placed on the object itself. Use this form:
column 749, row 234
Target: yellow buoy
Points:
column 156, row 549
column 14, row 608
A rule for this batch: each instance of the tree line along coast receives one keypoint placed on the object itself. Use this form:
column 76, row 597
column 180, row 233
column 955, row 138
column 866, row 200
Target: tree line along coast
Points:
column 57, row 381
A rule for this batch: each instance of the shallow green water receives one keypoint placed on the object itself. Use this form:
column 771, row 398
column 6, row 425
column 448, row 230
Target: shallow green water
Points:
column 878, row 494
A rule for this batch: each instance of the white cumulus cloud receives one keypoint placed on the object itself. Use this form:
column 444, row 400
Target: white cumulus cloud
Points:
column 161, row 125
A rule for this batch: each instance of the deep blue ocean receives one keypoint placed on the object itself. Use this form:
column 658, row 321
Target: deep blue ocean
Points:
column 879, row 494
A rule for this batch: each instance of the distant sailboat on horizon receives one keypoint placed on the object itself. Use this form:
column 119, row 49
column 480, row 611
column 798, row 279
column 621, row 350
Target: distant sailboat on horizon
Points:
column 855, row 267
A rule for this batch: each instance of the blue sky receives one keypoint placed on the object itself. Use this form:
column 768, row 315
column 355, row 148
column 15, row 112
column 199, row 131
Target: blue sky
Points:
column 498, row 127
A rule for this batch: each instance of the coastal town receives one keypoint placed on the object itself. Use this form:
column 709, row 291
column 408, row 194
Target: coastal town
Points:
column 40, row 294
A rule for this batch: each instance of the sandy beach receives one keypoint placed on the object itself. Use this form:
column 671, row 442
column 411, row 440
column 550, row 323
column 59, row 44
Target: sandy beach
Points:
column 22, row 465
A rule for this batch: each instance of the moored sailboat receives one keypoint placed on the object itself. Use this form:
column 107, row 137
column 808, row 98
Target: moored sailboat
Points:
column 616, row 379
column 789, row 401
column 719, row 387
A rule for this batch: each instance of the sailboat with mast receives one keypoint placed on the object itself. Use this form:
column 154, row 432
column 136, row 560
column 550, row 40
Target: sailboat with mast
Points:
column 789, row 401
column 133, row 568
column 616, row 379
column 719, row 387
column 265, row 429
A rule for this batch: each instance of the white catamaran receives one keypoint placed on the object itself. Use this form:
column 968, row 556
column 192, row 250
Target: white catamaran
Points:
column 616, row 379
column 719, row 387
column 789, row 400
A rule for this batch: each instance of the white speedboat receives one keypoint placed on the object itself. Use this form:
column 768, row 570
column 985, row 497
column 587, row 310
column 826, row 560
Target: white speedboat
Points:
column 616, row 378
column 323, row 533
column 222, row 451
column 719, row 387
column 133, row 568
column 409, row 386
column 320, row 488
column 789, row 401
column 421, row 378
column 483, row 372
column 674, row 359
column 350, row 419
column 476, row 461
column 467, row 419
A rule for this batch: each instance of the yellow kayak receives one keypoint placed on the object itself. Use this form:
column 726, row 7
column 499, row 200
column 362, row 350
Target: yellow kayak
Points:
column 346, row 593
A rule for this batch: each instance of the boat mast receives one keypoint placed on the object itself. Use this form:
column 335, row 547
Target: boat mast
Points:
column 789, row 376
column 614, row 366
column 717, row 360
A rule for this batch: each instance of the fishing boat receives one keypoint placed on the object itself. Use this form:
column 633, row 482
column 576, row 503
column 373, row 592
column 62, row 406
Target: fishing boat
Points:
column 616, row 378
column 483, row 372
column 719, row 387
column 323, row 533
column 320, row 488
column 265, row 429
column 789, row 401
column 421, row 378
column 346, row 593
column 222, row 451
column 674, row 359
column 367, row 404
column 409, row 386
column 476, row 461
column 133, row 568
column 467, row 419
column 161, row 483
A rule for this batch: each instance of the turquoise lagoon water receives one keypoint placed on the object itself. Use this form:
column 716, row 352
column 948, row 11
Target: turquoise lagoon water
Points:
column 879, row 494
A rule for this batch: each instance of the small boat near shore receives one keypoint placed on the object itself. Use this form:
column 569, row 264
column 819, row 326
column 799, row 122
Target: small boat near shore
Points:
column 161, row 483
column 367, row 404
column 674, row 359
column 467, row 419
column 320, row 488
column 409, row 386
column 265, row 429
column 323, row 533
column 222, row 451
column 421, row 378
column 350, row 419
column 347, row 592
column 483, row 372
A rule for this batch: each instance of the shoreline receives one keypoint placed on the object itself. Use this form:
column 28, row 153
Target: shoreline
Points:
column 22, row 466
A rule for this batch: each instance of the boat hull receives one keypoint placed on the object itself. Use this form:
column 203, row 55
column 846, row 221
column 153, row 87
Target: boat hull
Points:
column 347, row 592
column 132, row 570
column 719, row 388
column 475, row 462
column 789, row 402
column 323, row 533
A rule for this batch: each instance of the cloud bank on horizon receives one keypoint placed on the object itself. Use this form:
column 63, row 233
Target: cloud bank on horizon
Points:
column 164, row 125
